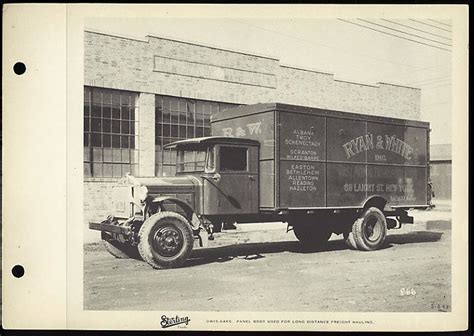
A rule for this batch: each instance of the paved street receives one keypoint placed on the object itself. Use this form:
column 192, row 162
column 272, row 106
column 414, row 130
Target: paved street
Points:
column 268, row 271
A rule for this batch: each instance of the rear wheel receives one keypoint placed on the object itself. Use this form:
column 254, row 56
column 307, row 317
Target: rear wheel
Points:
column 370, row 230
column 119, row 249
column 350, row 241
column 166, row 240
column 312, row 235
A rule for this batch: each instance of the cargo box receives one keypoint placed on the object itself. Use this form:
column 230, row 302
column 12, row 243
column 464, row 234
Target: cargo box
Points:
column 313, row 158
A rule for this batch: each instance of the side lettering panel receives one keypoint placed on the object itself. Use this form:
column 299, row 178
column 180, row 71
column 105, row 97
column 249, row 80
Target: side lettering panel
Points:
column 397, row 144
column 302, row 137
column 346, row 140
column 302, row 184
column 397, row 184
column 346, row 184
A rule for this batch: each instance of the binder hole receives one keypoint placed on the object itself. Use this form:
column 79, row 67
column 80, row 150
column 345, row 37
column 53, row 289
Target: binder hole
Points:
column 18, row 271
column 19, row 68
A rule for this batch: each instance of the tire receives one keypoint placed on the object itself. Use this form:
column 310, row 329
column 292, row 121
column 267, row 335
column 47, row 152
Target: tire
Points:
column 312, row 235
column 350, row 241
column 118, row 249
column 165, row 240
column 370, row 230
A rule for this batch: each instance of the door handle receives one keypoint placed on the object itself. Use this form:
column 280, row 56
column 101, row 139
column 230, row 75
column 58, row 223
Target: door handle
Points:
column 252, row 178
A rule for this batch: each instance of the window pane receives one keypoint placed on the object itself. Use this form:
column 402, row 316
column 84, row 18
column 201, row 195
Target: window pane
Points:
column 132, row 114
column 97, row 154
column 125, row 155
column 174, row 117
column 207, row 131
column 125, row 141
column 182, row 118
column 97, row 169
column 126, row 169
column 199, row 132
column 125, row 99
column 174, row 131
column 87, row 169
column 174, row 104
column 86, row 124
column 96, row 111
column 108, row 170
column 233, row 158
column 182, row 131
column 125, row 127
column 96, row 97
column 96, row 140
column 190, row 133
column 158, row 131
column 107, row 111
column 132, row 127
column 125, row 112
column 166, row 130
column 87, row 154
column 107, row 97
column 86, row 139
column 107, row 155
column 132, row 142
column 116, row 170
column 96, row 125
column 116, row 155
column 116, row 98
column 116, row 112
column 116, row 141
column 107, row 140
column 87, row 109
column 166, row 116
column 87, row 95
column 115, row 126
column 106, row 125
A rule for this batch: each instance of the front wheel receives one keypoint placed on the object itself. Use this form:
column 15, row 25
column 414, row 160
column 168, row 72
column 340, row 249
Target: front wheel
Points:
column 370, row 230
column 166, row 240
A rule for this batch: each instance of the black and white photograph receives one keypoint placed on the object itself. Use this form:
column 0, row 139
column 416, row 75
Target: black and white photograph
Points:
column 263, row 167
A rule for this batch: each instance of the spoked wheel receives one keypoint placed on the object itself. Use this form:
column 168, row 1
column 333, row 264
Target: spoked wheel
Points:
column 370, row 230
column 166, row 240
column 119, row 249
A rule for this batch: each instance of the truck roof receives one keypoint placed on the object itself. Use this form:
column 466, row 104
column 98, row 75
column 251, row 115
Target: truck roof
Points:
column 213, row 140
column 244, row 110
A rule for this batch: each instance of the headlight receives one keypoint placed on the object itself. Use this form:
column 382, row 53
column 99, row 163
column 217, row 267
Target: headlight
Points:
column 141, row 192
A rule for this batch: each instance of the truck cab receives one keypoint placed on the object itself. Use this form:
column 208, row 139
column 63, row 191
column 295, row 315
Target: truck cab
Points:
column 227, row 170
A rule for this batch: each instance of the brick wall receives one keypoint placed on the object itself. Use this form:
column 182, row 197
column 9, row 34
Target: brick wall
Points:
column 167, row 67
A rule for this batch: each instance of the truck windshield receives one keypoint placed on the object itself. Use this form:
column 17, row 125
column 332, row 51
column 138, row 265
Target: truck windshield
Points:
column 195, row 160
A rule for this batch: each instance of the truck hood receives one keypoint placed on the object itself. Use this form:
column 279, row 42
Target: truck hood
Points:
column 160, row 185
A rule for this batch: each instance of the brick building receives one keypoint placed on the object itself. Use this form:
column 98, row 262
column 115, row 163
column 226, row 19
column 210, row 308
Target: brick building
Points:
column 142, row 94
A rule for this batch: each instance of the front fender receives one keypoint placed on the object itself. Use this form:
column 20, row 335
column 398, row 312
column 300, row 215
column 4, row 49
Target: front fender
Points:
column 191, row 215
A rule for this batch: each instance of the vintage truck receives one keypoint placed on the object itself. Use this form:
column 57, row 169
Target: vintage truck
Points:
column 318, row 170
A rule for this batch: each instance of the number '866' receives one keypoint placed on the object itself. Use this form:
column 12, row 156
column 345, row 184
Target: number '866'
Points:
column 407, row 291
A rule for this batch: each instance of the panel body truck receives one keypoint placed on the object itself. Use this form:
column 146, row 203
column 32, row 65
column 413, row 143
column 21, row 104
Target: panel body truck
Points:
column 321, row 171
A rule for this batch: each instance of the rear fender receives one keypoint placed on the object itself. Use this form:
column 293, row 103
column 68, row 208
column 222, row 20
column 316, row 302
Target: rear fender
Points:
column 191, row 215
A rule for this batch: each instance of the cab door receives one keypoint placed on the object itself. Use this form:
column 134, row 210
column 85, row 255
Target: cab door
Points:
column 233, row 188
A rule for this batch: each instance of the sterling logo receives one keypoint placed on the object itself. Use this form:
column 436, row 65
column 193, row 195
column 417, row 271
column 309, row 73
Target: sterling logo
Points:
column 167, row 322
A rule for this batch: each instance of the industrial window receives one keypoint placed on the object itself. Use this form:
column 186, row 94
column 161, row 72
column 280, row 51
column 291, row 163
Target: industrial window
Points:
column 177, row 119
column 110, row 132
column 233, row 158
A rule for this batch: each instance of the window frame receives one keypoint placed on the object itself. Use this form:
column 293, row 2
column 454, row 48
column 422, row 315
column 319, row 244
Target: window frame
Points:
column 104, row 159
